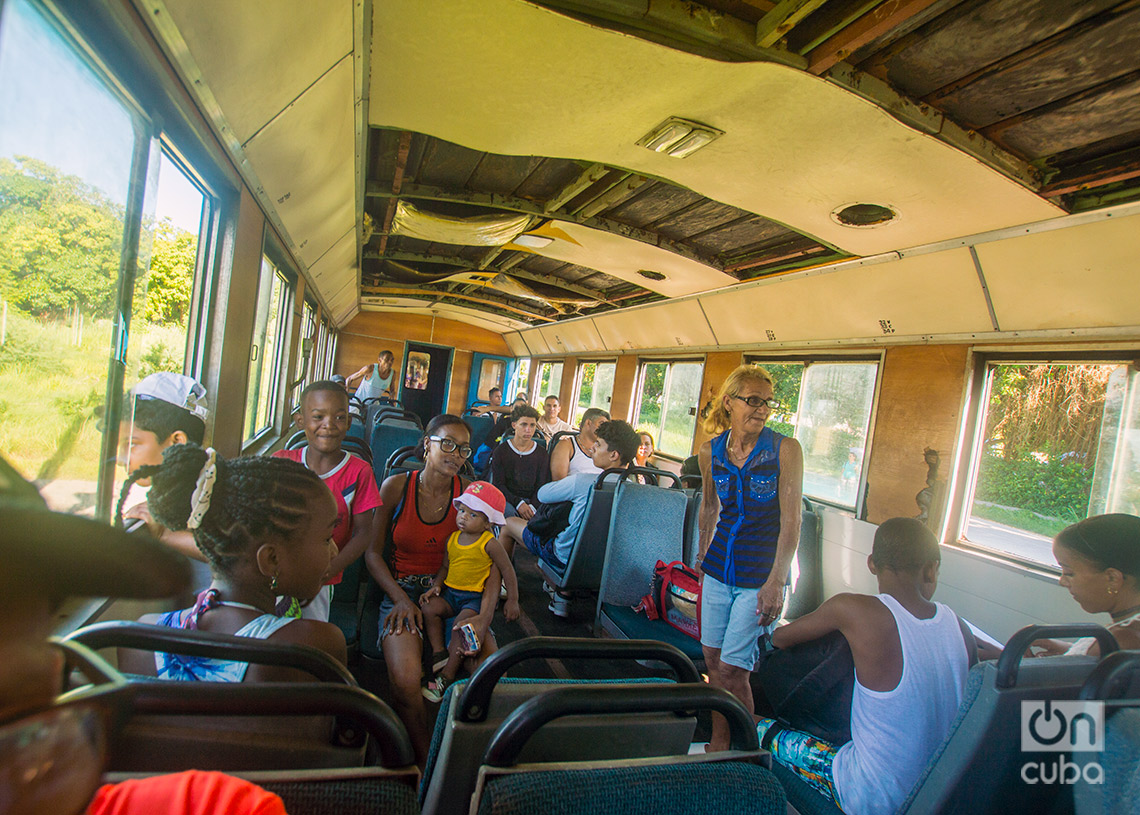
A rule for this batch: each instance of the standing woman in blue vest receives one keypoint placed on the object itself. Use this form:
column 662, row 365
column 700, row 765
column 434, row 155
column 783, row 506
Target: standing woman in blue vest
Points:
column 752, row 479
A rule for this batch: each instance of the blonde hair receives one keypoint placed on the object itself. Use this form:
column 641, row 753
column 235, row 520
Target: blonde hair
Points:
column 717, row 420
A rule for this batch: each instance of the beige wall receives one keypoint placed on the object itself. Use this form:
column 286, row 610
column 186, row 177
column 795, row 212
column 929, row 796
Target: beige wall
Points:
column 717, row 368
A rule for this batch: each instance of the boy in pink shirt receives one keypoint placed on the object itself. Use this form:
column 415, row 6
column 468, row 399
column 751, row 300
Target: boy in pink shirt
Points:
column 324, row 418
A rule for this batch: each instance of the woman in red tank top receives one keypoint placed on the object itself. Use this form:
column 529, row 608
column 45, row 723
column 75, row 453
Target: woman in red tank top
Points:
column 414, row 523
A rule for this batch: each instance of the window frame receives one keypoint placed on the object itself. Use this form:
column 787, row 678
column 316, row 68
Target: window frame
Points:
column 878, row 358
column 536, row 397
column 639, row 393
column 277, row 393
column 972, row 437
column 579, row 373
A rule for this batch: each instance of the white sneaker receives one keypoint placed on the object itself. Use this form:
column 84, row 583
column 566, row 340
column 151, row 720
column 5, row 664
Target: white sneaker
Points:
column 559, row 606
column 549, row 589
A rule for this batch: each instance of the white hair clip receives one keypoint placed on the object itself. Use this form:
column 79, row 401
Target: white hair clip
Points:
column 203, row 490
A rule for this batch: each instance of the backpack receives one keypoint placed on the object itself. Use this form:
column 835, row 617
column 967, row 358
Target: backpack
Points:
column 550, row 519
column 675, row 597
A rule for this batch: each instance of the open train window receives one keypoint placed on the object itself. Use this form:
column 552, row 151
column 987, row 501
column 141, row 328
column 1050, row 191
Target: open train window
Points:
column 826, row 405
column 1057, row 441
column 547, row 382
column 669, row 393
column 267, row 351
column 522, row 376
column 594, row 388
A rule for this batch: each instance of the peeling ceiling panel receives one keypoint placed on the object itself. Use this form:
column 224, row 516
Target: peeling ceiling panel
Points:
column 405, row 305
column 305, row 159
column 1081, row 277
column 936, row 293
column 255, row 77
column 663, row 325
column 573, row 337
column 624, row 257
column 560, row 87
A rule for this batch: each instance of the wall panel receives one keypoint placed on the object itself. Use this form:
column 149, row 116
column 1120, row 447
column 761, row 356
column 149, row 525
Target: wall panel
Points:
column 717, row 368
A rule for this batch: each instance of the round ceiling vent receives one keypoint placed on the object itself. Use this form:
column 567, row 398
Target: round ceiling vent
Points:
column 646, row 273
column 863, row 216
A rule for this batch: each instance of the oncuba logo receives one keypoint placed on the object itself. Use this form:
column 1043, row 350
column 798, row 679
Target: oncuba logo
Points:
column 1049, row 726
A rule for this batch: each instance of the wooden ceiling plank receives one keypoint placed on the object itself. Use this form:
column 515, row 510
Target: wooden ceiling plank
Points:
column 782, row 19
column 867, row 28
column 551, row 280
column 1035, row 51
column 878, row 64
column 995, row 130
column 849, row 16
column 590, row 175
column 614, row 196
column 1095, row 173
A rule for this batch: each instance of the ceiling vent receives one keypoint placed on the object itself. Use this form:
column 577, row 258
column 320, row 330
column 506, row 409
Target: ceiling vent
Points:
column 679, row 137
column 863, row 216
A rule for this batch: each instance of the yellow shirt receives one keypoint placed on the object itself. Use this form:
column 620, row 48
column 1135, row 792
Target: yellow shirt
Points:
column 468, row 566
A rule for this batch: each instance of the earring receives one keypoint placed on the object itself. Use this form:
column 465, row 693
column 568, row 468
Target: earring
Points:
column 273, row 583
column 1113, row 591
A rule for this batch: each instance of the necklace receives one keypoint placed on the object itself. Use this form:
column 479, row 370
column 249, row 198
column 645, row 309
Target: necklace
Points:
column 1117, row 616
column 423, row 503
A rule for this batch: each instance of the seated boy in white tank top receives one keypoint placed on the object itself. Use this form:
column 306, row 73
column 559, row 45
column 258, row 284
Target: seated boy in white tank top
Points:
column 898, row 719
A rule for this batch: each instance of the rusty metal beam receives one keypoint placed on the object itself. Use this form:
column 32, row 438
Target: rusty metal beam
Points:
column 613, row 196
column 397, row 182
column 870, row 26
column 512, row 204
column 774, row 25
column 591, row 175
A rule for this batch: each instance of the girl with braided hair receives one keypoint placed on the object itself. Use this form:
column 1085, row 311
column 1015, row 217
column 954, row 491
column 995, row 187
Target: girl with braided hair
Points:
column 265, row 526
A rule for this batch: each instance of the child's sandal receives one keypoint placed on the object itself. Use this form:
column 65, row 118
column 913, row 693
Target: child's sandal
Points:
column 439, row 661
column 435, row 689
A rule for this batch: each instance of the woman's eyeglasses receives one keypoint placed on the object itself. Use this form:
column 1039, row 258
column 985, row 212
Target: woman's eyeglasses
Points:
column 756, row 401
column 449, row 446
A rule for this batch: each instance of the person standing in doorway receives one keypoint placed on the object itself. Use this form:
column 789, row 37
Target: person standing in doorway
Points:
column 749, row 522
column 374, row 381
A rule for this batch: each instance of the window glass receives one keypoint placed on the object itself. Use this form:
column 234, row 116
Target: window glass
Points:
column 265, row 352
column 1060, row 443
column 490, row 376
column 548, row 382
column 826, row 407
column 522, row 374
column 320, row 370
column 667, row 408
column 308, row 328
column 595, row 388
column 330, row 350
column 66, row 145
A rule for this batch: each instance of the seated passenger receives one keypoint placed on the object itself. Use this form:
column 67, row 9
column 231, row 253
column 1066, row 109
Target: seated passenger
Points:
column 911, row 659
column 266, row 526
column 573, row 454
column 49, row 557
column 1100, row 566
column 644, row 452
column 494, row 404
column 481, row 460
column 550, row 424
column 324, row 418
column 615, row 447
column 162, row 410
column 457, row 590
column 520, row 466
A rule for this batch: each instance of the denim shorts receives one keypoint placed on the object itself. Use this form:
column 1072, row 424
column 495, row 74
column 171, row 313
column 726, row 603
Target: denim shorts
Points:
column 730, row 623
column 459, row 599
column 413, row 586
column 543, row 548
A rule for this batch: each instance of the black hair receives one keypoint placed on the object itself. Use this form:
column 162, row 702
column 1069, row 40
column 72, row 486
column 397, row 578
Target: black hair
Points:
column 596, row 413
column 904, row 545
column 326, row 385
column 164, row 419
column 500, row 390
column 386, row 353
column 253, row 498
column 524, row 410
column 1109, row 541
column 620, row 436
column 434, row 426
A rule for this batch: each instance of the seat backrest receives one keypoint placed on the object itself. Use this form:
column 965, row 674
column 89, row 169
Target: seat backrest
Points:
column 480, row 427
column 387, row 439
column 978, row 766
column 807, row 584
column 647, row 525
column 691, row 539
column 588, row 551
column 468, row 720
column 734, row 781
column 1110, row 778
column 296, row 441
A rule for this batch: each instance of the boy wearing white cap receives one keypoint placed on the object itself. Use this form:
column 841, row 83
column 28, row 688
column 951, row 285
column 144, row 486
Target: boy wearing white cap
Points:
column 162, row 410
column 457, row 590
